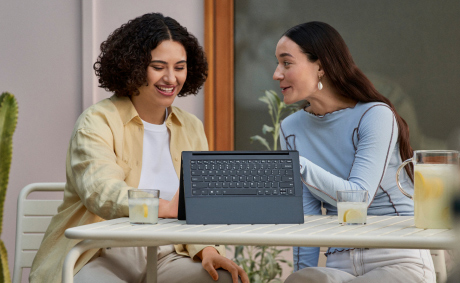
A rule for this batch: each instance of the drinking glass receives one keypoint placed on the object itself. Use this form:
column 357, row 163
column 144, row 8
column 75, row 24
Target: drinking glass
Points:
column 143, row 206
column 352, row 207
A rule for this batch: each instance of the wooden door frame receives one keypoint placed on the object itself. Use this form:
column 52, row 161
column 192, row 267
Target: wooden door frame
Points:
column 219, row 87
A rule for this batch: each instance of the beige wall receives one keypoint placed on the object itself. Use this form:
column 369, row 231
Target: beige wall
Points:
column 41, row 64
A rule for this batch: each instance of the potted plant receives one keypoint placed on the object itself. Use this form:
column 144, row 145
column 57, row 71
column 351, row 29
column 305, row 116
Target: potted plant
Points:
column 8, row 121
column 261, row 263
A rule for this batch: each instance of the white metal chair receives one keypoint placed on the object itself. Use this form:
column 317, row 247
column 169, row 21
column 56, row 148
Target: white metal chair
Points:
column 32, row 220
column 439, row 261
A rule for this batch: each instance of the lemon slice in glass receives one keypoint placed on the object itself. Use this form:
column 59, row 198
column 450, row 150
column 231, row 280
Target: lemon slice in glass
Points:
column 352, row 216
column 146, row 210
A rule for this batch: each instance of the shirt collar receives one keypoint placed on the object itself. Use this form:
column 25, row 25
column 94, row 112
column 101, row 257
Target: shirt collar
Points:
column 128, row 112
column 126, row 109
column 175, row 116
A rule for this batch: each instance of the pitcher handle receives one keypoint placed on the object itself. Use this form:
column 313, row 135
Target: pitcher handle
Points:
column 397, row 178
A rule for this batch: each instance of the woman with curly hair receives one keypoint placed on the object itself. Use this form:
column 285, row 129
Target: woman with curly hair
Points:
column 134, row 139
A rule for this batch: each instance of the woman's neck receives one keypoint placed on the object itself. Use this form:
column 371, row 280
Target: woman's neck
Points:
column 328, row 102
column 153, row 114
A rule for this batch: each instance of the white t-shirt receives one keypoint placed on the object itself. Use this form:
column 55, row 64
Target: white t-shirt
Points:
column 157, row 167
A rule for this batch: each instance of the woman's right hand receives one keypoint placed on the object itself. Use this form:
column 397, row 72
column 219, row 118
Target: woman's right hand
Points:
column 168, row 209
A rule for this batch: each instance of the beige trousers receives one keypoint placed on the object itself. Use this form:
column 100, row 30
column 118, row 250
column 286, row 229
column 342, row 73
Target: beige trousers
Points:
column 129, row 265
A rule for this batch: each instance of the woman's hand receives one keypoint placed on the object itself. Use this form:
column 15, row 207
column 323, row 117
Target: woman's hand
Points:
column 211, row 260
column 168, row 209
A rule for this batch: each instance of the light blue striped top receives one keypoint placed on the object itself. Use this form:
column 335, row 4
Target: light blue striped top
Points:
column 350, row 149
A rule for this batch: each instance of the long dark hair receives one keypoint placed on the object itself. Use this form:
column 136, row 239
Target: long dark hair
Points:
column 320, row 41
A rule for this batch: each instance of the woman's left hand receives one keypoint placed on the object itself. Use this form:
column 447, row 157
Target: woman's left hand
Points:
column 212, row 260
column 168, row 209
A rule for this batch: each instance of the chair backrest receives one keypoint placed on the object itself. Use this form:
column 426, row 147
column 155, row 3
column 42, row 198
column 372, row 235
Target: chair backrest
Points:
column 32, row 220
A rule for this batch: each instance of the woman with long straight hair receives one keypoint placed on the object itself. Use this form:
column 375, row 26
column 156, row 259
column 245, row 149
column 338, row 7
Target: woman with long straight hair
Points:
column 349, row 137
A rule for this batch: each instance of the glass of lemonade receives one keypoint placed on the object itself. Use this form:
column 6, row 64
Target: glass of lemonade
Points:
column 436, row 179
column 352, row 207
column 143, row 206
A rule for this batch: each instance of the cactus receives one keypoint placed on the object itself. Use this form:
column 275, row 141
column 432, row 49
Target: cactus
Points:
column 8, row 121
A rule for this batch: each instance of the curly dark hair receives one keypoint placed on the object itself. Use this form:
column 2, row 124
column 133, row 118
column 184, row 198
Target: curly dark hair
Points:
column 125, row 55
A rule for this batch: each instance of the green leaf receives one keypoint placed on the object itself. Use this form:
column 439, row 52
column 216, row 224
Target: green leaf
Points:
column 267, row 129
column 261, row 140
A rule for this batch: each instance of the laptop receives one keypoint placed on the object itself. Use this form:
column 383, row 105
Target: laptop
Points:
column 240, row 187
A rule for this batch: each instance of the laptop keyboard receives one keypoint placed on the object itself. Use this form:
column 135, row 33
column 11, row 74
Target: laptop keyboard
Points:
column 260, row 177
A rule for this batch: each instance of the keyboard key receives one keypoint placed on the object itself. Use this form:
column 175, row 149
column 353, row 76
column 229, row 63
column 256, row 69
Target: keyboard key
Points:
column 196, row 192
column 204, row 191
column 286, row 184
column 199, row 185
column 287, row 166
column 197, row 179
column 291, row 191
column 218, row 191
column 287, row 178
column 240, row 192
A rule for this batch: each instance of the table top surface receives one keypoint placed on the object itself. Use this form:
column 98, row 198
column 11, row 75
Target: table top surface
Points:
column 318, row 230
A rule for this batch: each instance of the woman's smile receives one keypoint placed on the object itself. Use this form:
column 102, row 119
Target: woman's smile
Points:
column 167, row 90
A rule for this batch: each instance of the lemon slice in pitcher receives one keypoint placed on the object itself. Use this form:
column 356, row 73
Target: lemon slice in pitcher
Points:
column 146, row 210
column 421, row 189
column 352, row 216
column 427, row 187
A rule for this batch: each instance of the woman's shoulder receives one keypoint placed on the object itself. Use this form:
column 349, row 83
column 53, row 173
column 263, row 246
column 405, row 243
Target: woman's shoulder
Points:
column 294, row 119
column 101, row 113
column 375, row 110
column 185, row 118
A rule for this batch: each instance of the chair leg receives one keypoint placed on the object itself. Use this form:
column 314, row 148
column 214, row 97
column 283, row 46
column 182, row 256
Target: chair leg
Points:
column 439, row 262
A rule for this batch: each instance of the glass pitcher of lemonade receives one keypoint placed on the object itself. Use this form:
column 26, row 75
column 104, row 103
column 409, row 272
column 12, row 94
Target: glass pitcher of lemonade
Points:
column 436, row 178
